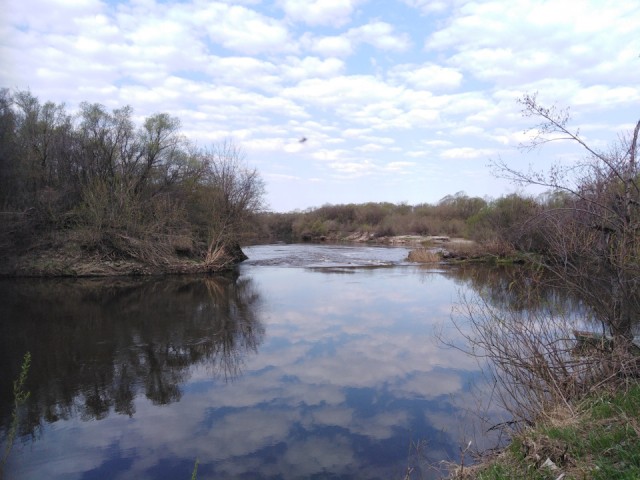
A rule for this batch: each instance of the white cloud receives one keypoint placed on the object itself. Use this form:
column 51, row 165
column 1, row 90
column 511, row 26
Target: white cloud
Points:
column 381, row 35
column 517, row 41
column 605, row 95
column 296, row 69
column 332, row 13
column 370, row 147
column 243, row 30
column 360, row 71
column 53, row 16
column 399, row 167
column 437, row 143
column 353, row 169
column 427, row 76
column 244, row 71
column 356, row 132
column 341, row 90
column 432, row 6
column 467, row 153
column 329, row 155
column 331, row 46
column 417, row 153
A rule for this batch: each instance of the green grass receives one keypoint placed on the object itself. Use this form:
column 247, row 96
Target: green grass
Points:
column 20, row 397
column 600, row 442
column 501, row 472
column 194, row 473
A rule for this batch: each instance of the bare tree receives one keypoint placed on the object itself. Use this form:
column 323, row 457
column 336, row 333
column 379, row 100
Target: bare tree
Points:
column 591, row 237
column 234, row 192
column 588, row 245
column 121, row 191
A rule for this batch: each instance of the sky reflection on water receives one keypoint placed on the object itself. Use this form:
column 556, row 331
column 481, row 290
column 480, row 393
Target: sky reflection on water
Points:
column 345, row 375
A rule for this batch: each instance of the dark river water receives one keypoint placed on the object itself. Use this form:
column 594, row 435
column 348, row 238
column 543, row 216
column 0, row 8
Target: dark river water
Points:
column 309, row 361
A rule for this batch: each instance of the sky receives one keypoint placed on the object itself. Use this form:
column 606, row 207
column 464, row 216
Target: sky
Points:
column 398, row 100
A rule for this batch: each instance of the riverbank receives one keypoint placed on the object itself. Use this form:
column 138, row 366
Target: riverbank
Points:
column 65, row 255
column 595, row 438
column 435, row 248
column 60, row 254
column 391, row 240
column 71, row 254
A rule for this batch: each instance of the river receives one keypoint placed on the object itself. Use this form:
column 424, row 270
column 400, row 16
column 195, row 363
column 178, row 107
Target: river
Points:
column 308, row 361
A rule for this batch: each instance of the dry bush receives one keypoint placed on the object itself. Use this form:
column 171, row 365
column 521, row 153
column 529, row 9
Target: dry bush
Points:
column 435, row 225
column 424, row 255
column 421, row 226
column 215, row 256
column 588, row 234
column 182, row 244
column 151, row 250
column 455, row 227
column 534, row 359
column 470, row 249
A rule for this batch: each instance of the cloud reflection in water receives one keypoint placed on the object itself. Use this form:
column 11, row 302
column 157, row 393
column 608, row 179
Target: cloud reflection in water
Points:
column 345, row 375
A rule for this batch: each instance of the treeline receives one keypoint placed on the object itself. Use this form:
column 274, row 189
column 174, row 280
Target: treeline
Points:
column 96, row 180
column 585, row 232
column 481, row 219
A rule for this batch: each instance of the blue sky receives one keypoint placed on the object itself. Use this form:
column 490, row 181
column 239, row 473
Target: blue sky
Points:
column 400, row 101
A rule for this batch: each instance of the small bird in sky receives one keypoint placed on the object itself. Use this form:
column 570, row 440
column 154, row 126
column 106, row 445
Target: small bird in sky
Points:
column 302, row 140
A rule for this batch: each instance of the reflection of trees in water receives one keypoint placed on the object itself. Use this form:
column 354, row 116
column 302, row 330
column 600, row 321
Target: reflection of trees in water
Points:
column 524, row 326
column 517, row 288
column 97, row 344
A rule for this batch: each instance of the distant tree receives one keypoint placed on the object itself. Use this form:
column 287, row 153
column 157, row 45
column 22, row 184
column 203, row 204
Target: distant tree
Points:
column 460, row 206
column 505, row 220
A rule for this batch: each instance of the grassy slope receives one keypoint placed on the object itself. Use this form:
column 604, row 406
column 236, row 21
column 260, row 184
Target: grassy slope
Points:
column 600, row 439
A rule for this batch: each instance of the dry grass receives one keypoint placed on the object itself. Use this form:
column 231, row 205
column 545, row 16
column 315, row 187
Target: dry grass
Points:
column 473, row 250
column 424, row 255
column 460, row 249
column 84, row 252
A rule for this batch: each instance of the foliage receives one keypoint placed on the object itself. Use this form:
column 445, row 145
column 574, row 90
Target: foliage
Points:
column 496, row 223
column 450, row 216
column 194, row 473
column 503, row 219
column 144, row 193
column 20, row 397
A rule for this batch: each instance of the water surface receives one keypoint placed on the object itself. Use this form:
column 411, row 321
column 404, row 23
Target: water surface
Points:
column 308, row 362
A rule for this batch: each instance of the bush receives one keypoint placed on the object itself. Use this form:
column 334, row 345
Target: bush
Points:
column 423, row 255
column 136, row 189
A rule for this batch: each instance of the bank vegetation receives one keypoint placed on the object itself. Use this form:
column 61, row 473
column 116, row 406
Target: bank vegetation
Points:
column 457, row 215
column 569, row 378
column 93, row 193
